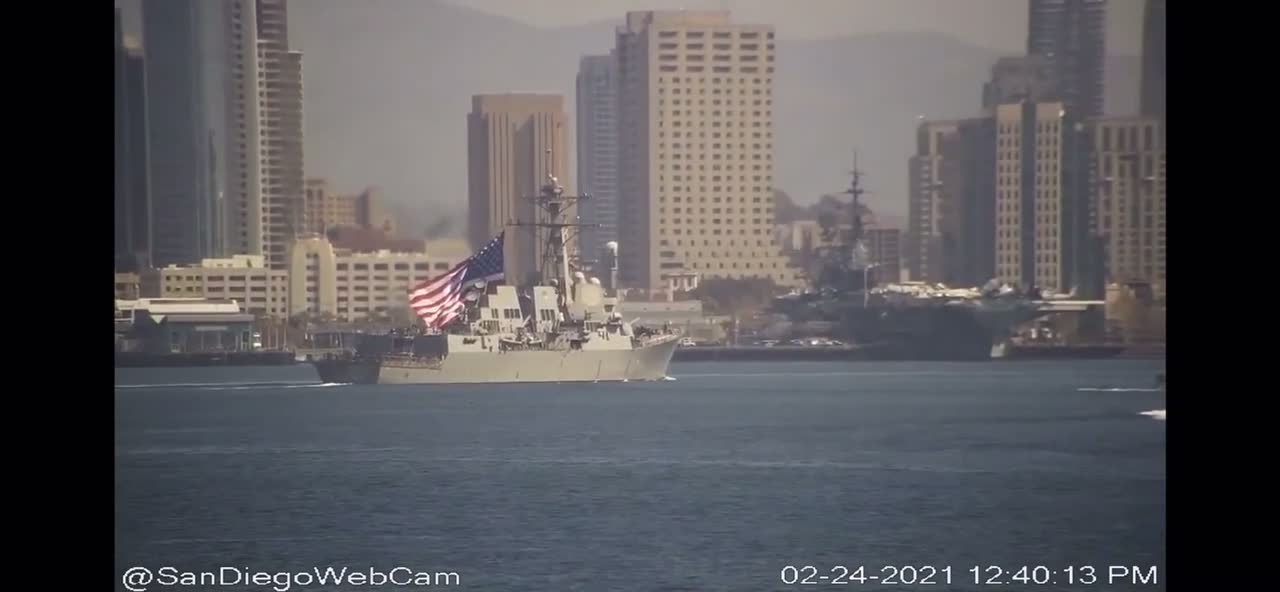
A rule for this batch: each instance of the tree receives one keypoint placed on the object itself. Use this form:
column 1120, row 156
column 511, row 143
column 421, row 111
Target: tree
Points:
column 401, row 316
column 736, row 296
column 785, row 209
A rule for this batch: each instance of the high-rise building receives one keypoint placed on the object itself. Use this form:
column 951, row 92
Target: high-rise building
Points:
column 185, row 79
column 325, row 209
column 884, row 247
column 951, row 210
column 1041, row 204
column 1072, row 35
column 597, row 113
column 1153, row 61
column 242, row 198
column 225, row 95
column 1129, row 198
column 280, row 132
column 969, row 181
column 696, row 134
column 132, row 170
column 928, row 198
column 513, row 142
column 1021, row 78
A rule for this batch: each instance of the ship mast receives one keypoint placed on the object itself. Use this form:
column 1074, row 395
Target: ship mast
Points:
column 846, row 256
column 552, row 200
column 855, row 191
column 850, row 247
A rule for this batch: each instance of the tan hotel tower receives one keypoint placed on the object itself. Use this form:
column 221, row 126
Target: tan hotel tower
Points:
column 696, row 143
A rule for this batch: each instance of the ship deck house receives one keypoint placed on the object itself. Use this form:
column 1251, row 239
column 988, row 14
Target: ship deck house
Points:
column 187, row 325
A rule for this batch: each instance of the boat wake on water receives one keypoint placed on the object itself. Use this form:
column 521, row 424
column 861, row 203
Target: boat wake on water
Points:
column 1157, row 414
column 200, row 385
column 262, row 386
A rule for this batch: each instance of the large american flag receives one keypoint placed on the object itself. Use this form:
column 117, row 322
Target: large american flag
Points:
column 438, row 301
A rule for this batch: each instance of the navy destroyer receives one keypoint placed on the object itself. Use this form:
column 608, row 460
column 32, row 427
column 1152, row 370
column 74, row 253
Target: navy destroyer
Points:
column 563, row 328
column 912, row 321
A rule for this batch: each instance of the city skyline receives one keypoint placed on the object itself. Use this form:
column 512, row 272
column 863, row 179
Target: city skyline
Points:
column 266, row 215
column 810, row 159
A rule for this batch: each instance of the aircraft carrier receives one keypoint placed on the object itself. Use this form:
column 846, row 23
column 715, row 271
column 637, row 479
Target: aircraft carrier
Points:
column 564, row 330
column 913, row 321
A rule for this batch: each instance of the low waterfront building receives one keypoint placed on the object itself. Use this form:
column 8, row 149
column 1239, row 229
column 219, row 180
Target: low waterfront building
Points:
column 321, row 281
column 242, row 278
column 352, row 286
column 187, row 325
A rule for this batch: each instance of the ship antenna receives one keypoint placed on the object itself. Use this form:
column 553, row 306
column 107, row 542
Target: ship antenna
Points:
column 855, row 192
column 554, row 203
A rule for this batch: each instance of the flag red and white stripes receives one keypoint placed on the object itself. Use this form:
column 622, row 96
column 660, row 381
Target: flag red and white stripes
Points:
column 438, row 301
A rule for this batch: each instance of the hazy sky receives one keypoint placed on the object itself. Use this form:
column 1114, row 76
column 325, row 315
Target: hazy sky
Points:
column 362, row 137
column 998, row 24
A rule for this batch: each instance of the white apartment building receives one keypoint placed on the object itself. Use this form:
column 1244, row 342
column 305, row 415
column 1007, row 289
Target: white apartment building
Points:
column 319, row 279
column 242, row 278
column 351, row 286
column 696, row 129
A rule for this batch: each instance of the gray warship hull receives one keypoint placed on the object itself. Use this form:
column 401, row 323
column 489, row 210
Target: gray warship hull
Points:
column 482, row 366
column 921, row 330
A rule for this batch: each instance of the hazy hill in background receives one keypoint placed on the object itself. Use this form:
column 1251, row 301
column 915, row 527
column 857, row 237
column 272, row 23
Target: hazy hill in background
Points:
column 388, row 83
column 388, row 86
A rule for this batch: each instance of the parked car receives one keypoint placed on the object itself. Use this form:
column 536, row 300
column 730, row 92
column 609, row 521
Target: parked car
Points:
column 687, row 342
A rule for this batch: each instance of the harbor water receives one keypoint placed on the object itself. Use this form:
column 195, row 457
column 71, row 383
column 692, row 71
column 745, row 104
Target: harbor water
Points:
column 716, row 479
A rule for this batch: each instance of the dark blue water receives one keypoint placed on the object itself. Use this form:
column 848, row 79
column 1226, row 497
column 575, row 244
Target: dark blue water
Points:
column 715, row 481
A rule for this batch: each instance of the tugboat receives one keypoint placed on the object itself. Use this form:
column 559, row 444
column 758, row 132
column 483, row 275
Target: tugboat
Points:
column 478, row 330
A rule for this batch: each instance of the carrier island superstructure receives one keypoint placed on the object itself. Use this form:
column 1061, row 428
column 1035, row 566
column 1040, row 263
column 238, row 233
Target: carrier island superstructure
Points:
column 562, row 328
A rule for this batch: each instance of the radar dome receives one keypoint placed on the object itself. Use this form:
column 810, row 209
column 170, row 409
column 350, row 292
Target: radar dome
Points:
column 578, row 276
column 612, row 247
column 594, row 281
